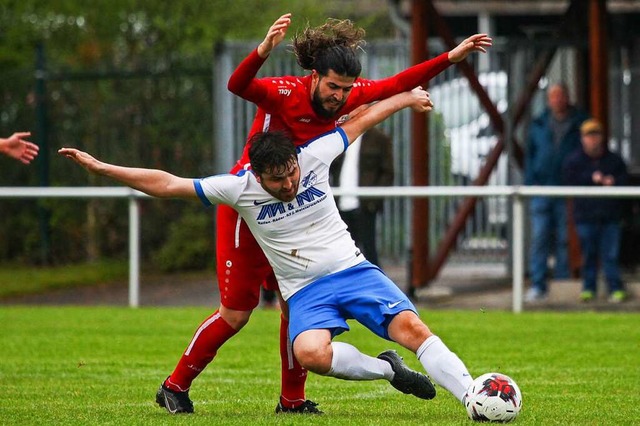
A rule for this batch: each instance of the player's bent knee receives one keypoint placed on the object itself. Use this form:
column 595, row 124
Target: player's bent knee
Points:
column 318, row 362
column 313, row 355
column 235, row 319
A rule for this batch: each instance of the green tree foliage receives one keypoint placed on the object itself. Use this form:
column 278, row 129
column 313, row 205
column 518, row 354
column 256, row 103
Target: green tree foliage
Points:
column 189, row 244
column 131, row 82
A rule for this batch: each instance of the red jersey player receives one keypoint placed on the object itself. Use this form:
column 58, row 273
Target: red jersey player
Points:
column 305, row 107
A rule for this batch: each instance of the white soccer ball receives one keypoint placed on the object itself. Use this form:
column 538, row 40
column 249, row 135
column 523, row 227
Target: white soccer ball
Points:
column 493, row 397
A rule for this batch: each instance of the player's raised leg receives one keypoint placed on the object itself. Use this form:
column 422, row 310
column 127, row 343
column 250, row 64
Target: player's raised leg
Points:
column 315, row 351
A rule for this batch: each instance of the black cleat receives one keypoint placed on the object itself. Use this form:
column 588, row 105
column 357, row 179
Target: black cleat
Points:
column 174, row 402
column 307, row 407
column 406, row 380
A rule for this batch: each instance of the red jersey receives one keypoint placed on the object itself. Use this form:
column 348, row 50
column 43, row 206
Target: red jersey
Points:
column 284, row 103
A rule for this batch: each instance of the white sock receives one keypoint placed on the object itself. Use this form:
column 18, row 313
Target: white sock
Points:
column 350, row 364
column 444, row 367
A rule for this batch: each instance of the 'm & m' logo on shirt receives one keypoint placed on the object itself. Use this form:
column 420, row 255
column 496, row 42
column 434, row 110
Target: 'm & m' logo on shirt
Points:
column 276, row 211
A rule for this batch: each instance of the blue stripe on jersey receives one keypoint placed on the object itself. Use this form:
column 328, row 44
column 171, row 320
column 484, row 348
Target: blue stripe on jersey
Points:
column 345, row 140
column 200, row 192
column 337, row 129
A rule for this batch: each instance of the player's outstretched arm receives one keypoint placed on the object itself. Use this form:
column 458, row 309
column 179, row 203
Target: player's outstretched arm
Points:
column 475, row 43
column 425, row 71
column 15, row 146
column 417, row 99
column 275, row 35
column 156, row 183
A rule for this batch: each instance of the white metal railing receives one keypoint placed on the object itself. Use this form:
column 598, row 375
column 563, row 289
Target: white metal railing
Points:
column 517, row 194
column 98, row 192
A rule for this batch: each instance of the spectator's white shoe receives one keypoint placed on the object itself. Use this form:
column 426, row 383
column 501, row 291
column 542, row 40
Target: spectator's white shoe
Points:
column 535, row 295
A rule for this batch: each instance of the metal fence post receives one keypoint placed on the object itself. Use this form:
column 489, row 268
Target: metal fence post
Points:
column 518, row 250
column 134, row 252
column 42, row 135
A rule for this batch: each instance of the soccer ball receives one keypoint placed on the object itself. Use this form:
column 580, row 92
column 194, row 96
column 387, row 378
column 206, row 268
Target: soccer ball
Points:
column 493, row 397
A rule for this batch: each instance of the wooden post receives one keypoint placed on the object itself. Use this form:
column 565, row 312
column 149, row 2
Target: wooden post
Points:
column 598, row 63
column 419, row 154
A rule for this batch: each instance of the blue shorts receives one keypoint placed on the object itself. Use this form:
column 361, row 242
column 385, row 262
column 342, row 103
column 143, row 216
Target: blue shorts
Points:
column 362, row 292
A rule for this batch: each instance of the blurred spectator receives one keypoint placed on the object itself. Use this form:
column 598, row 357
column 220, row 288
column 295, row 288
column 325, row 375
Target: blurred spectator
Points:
column 367, row 162
column 597, row 219
column 552, row 136
column 17, row 147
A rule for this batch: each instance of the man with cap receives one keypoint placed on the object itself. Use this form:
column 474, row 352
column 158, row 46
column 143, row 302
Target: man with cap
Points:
column 597, row 219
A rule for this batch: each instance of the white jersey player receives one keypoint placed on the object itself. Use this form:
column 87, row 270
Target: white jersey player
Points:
column 298, row 258
column 287, row 202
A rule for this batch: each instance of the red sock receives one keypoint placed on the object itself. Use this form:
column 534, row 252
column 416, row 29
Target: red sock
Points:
column 211, row 334
column 293, row 375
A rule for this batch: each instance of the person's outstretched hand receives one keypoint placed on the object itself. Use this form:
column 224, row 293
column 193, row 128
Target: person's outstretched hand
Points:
column 475, row 43
column 421, row 100
column 20, row 149
column 81, row 157
column 275, row 35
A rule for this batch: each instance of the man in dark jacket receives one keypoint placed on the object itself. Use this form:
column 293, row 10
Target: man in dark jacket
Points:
column 552, row 136
column 368, row 162
column 597, row 219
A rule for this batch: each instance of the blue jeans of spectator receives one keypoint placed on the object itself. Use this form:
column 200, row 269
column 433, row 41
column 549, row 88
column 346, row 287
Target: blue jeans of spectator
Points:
column 600, row 241
column 548, row 226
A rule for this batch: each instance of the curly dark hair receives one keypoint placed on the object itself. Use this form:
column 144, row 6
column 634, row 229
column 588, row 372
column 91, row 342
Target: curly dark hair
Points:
column 271, row 151
column 331, row 46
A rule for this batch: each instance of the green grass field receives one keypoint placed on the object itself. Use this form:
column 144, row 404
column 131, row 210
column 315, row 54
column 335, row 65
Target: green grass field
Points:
column 18, row 279
column 89, row 365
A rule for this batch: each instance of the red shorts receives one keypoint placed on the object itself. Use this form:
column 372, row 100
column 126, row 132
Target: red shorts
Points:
column 242, row 267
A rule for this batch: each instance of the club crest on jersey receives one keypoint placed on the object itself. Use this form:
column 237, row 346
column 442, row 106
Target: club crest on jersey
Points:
column 342, row 119
column 309, row 179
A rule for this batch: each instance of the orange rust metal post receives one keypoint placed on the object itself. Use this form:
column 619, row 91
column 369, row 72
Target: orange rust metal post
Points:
column 419, row 154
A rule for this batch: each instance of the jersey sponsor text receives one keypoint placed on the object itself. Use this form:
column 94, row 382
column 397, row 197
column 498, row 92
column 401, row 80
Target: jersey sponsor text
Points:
column 276, row 211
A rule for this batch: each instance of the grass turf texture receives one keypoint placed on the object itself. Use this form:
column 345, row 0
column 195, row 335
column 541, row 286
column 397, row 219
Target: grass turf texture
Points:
column 20, row 279
column 103, row 365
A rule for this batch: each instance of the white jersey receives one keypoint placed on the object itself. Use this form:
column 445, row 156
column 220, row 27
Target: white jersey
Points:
column 304, row 239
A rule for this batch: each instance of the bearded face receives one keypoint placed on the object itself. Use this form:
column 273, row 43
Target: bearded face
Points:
column 330, row 92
